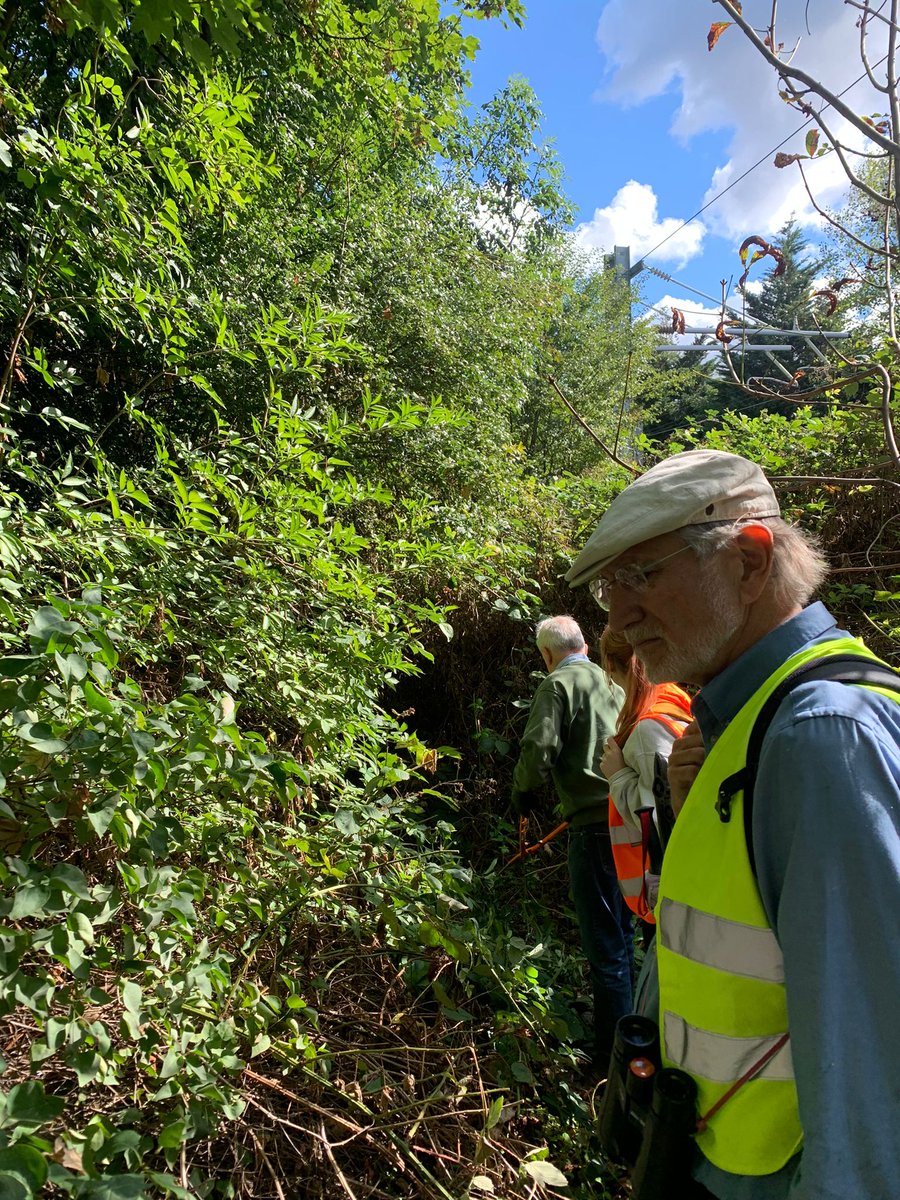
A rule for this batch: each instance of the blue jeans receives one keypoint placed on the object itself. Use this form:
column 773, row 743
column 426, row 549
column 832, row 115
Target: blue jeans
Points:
column 604, row 922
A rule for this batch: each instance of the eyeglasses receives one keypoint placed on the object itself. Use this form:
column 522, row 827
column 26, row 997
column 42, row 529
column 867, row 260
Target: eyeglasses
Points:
column 635, row 577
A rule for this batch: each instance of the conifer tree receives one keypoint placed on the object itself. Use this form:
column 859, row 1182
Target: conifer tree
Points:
column 785, row 301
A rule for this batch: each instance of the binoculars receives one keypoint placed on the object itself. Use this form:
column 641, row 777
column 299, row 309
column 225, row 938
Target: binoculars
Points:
column 648, row 1114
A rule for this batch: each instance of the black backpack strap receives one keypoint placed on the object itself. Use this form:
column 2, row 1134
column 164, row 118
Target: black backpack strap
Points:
column 662, row 791
column 839, row 668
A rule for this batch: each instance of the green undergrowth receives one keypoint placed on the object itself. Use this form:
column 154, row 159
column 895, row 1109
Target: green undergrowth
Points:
column 243, row 947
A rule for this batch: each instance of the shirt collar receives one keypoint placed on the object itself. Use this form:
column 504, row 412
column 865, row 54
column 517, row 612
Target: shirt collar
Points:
column 724, row 696
column 571, row 658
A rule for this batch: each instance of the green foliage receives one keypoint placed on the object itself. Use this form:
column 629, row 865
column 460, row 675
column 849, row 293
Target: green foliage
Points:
column 686, row 390
column 282, row 490
column 854, row 253
column 261, row 347
column 198, row 769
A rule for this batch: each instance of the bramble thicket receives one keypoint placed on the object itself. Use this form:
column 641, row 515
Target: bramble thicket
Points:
column 284, row 488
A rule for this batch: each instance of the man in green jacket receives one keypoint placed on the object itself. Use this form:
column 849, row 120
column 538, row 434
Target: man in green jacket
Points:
column 572, row 714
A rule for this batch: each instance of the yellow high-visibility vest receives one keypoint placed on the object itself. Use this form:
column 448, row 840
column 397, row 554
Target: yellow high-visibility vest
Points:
column 721, row 971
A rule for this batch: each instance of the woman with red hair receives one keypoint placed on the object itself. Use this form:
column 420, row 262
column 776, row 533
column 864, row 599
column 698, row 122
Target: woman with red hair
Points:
column 651, row 718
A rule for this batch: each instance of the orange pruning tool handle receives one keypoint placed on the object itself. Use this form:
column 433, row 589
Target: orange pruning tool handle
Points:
column 549, row 838
column 523, row 832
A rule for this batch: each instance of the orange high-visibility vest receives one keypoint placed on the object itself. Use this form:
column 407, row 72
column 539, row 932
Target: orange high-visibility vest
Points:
column 671, row 708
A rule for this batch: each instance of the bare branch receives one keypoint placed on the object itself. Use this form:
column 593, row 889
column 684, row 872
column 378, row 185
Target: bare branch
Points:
column 867, row 12
column 821, row 211
column 584, row 425
column 848, row 170
column 852, row 480
column 863, row 30
column 887, row 389
column 623, row 403
column 789, row 73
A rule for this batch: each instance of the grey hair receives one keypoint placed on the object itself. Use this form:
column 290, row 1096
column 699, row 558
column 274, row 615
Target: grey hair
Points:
column 799, row 567
column 559, row 633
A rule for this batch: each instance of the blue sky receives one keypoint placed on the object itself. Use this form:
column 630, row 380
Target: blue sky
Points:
column 649, row 124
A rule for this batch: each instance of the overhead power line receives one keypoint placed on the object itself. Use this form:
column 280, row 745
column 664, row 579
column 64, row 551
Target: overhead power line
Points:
column 758, row 163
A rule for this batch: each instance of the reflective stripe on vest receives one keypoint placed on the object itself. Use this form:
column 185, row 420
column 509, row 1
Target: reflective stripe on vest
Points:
column 726, row 945
column 631, row 890
column 722, row 1058
column 671, row 709
column 721, row 973
column 619, row 834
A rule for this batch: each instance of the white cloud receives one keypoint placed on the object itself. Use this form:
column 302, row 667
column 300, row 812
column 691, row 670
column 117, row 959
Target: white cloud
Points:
column 732, row 88
column 632, row 220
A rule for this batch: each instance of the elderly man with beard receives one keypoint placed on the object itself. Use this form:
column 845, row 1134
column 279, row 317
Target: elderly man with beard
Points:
column 777, row 992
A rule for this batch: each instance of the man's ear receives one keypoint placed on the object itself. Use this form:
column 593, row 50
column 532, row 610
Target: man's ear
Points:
column 757, row 547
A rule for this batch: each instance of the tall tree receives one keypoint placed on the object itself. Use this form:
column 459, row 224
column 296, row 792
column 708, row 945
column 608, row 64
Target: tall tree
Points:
column 786, row 300
column 685, row 389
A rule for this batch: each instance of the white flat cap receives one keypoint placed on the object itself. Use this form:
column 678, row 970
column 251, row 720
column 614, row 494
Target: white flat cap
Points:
column 691, row 488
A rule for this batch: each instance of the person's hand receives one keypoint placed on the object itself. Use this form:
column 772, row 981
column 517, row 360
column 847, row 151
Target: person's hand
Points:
column 613, row 759
column 685, row 760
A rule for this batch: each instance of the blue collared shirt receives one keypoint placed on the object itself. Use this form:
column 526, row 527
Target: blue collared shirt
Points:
column 576, row 657
column 826, row 831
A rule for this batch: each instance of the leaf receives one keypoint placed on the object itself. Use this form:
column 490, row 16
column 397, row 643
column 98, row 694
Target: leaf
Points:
column 346, row 822
column 171, row 1136
column 48, row 623
column 812, row 142
column 715, row 32
column 494, row 1112
column 69, row 879
column 15, row 665
column 96, row 700
column 118, row 1187
column 71, row 667
column 4, row 153
column 782, row 160
column 80, row 925
column 13, row 1188
column 132, row 997
column 764, row 249
column 40, row 735
column 26, row 1164
column 482, row 1183
column 545, row 1173
column 460, row 1014
column 143, row 742
column 69, row 1157
column 28, row 1106
column 753, row 241
column 29, row 901
column 831, row 297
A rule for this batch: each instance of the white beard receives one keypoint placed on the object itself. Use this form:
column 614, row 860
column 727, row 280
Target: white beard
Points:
column 691, row 661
